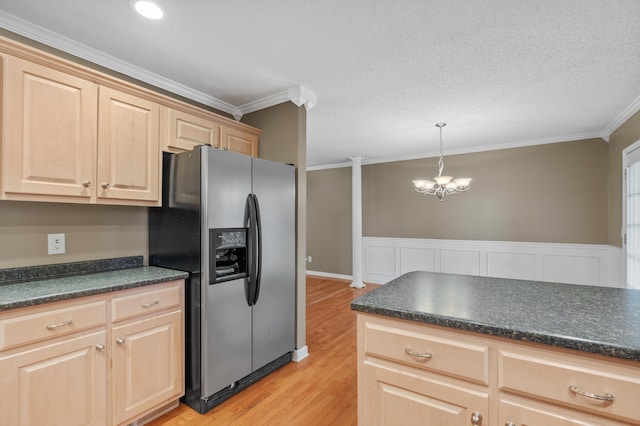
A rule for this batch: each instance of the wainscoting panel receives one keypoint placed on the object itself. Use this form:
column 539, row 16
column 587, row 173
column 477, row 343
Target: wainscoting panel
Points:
column 464, row 262
column 511, row 265
column 570, row 269
column 588, row 264
column 417, row 259
column 380, row 262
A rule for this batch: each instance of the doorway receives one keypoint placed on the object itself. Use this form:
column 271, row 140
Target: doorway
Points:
column 631, row 213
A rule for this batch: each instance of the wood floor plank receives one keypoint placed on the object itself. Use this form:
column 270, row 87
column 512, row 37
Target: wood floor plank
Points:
column 319, row 390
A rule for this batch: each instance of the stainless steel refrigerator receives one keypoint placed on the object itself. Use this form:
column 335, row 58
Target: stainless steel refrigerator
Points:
column 229, row 220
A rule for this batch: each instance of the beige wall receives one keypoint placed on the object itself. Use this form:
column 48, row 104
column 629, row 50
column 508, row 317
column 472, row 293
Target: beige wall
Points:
column 284, row 139
column 546, row 193
column 329, row 220
column 91, row 232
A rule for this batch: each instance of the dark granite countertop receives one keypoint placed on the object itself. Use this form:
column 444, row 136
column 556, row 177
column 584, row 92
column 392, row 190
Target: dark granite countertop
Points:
column 28, row 286
column 598, row 320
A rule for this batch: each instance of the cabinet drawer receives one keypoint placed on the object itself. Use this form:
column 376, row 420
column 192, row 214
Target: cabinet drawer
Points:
column 550, row 375
column 439, row 351
column 50, row 323
column 144, row 302
column 527, row 412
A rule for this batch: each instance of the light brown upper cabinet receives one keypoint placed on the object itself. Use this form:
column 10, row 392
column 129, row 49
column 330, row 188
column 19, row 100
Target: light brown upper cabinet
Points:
column 182, row 131
column 71, row 134
column 239, row 140
column 50, row 134
column 68, row 139
column 128, row 149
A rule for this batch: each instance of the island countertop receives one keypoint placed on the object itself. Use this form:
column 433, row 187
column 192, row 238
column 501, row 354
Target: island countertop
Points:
column 21, row 287
column 599, row 320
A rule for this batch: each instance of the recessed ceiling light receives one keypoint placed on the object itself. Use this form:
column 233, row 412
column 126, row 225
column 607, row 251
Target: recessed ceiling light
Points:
column 148, row 9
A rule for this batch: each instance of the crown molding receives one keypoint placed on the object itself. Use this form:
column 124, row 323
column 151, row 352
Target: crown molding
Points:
column 469, row 150
column 299, row 95
column 633, row 108
column 47, row 37
column 269, row 101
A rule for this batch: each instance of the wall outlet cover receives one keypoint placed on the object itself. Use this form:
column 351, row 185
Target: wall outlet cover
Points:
column 55, row 244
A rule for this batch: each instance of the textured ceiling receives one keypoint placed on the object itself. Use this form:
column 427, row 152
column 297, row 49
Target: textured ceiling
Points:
column 500, row 73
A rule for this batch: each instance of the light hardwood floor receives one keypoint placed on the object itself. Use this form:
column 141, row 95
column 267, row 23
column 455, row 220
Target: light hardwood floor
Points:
column 319, row 390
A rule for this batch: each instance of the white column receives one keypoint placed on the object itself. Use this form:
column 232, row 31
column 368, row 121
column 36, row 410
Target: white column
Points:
column 356, row 221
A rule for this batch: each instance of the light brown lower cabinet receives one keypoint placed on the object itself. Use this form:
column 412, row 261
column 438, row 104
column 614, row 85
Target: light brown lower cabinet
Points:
column 411, row 373
column 100, row 360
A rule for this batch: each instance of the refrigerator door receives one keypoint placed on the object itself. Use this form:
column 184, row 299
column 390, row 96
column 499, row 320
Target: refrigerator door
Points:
column 226, row 316
column 274, row 310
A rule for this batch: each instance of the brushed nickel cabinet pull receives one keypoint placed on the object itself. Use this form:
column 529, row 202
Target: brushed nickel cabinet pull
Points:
column 509, row 424
column 120, row 341
column 86, row 183
column 100, row 347
column 105, row 185
column 58, row 325
column 421, row 357
column 604, row 397
column 148, row 305
column 476, row 418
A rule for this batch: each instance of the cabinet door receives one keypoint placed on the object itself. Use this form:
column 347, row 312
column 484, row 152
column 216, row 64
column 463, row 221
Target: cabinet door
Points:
column 57, row 384
column 238, row 141
column 128, row 149
column 182, row 131
column 390, row 396
column 50, row 132
column 147, row 365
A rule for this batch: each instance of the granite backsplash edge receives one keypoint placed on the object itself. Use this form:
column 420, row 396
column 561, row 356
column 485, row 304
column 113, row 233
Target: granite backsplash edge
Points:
column 59, row 270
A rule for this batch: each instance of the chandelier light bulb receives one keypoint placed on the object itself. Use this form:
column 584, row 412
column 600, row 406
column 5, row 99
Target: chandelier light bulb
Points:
column 443, row 185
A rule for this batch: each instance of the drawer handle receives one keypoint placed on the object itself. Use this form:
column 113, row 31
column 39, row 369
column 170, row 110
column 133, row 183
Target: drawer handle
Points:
column 58, row 325
column 148, row 305
column 422, row 357
column 605, row 397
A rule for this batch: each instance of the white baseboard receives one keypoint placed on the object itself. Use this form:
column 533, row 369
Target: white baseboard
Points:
column 329, row 275
column 590, row 264
column 300, row 354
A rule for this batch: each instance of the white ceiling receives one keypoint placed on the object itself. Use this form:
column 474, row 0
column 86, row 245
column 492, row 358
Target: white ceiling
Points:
column 500, row 72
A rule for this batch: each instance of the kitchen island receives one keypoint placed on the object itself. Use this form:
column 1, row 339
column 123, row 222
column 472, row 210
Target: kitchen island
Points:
column 491, row 351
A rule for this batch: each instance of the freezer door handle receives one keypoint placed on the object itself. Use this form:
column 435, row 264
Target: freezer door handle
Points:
column 252, row 247
column 258, row 258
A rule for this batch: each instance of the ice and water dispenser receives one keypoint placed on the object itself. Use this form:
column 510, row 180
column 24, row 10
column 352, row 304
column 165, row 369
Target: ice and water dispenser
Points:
column 229, row 249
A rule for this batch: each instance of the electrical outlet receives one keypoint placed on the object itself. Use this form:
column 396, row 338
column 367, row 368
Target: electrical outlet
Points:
column 309, row 259
column 55, row 244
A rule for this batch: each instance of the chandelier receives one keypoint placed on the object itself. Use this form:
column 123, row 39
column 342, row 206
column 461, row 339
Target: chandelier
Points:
column 441, row 186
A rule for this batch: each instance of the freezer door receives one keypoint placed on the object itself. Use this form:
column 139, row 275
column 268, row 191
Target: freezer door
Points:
column 226, row 316
column 228, row 184
column 274, row 310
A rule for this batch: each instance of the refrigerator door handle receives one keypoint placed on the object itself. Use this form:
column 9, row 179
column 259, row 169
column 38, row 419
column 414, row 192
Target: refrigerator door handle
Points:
column 258, row 256
column 252, row 257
